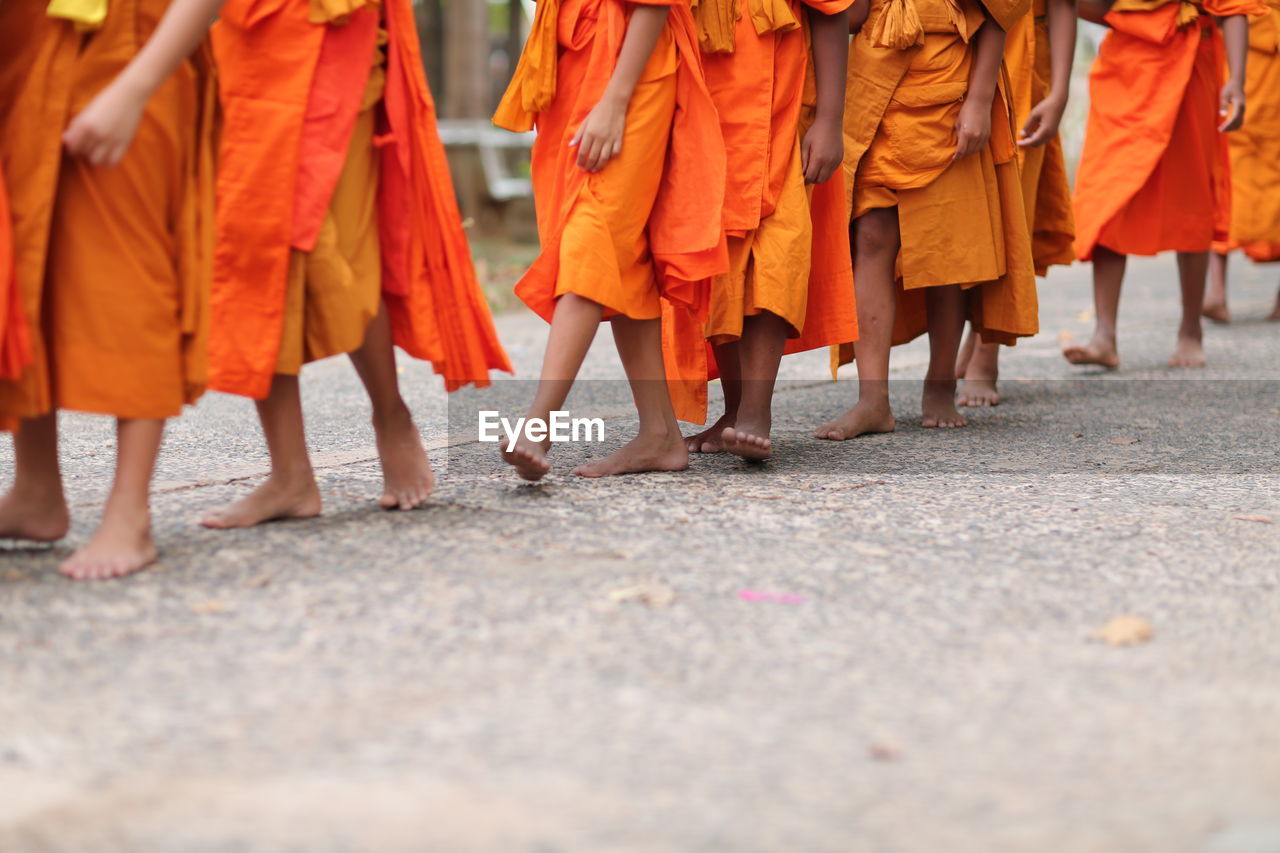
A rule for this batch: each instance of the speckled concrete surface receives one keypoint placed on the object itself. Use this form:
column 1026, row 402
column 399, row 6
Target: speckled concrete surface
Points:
column 911, row 670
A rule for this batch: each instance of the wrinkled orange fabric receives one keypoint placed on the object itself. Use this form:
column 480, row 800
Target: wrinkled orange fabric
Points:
column 15, row 345
column 1255, row 148
column 112, row 264
column 1045, row 186
column 277, row 171
column 1154, row 174
column 788, row 250
column 642, row 236
column 963, row 222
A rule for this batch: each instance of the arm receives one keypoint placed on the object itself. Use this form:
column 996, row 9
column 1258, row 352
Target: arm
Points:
column 1235, row 30
column 1042, row 124
column 599, row 139
column 103, row 131
column 973, row 127
column 822, row 149
column 1095, row 11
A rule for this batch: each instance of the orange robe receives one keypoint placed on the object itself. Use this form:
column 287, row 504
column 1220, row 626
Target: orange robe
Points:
column 111, row 264
column 961, row 222
column 644, row 232
column 1154, row 172
column 1255, row 148
column 15, row 345
column 1045, row 187
column 331, row 171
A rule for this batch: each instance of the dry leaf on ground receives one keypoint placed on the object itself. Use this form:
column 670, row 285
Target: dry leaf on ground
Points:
column 213, row 605
column 1261, row 519
column 1126, row 630
column 656, row 595
column 1123, row 441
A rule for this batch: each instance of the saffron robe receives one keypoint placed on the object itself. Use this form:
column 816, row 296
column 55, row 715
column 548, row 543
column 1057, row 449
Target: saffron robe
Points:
column 15, row 346
column 961, row 222
column 293, row 79
column 1154, row 173
column 642, row 235
column 111, row 264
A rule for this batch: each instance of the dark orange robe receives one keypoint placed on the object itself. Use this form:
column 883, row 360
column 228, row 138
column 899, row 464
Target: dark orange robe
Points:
column 1045, row 187
column 292, row 88
column 15, row 346
column 642, row 235
column 1154, row 174
column 961, row 222
column 1255, row 148
column 111, row 263
column 788, row 250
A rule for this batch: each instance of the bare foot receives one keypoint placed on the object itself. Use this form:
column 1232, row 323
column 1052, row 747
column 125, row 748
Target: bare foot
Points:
column 1188, row 353
column 529, row 458
column 121, row 547
column 275, row 499
column 710, row 440
column 642, row 453
column 407, row 480
column 1217, row 312
column 43, row 519
column 1097, row 351
column 938, row 405
column 862, row 419
column 978, row 392
column 747, row 443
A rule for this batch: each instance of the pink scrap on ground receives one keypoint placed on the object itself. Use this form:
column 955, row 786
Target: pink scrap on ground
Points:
column 774, row 597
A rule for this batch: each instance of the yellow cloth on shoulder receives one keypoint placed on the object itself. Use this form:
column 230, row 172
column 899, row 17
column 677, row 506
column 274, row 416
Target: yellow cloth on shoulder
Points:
column 86, row 14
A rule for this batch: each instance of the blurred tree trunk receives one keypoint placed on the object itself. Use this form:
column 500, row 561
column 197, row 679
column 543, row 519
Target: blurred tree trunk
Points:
column 431, row 37
column 466, row 52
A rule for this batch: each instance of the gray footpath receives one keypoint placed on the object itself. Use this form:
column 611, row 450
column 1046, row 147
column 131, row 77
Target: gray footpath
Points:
column 885, row 644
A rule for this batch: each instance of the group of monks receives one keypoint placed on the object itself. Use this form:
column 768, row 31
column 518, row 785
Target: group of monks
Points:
column 189, row 206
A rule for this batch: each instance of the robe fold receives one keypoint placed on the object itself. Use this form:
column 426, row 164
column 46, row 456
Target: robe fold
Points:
column 1045, row 186
column 111, row 264
column 330, row 156
column 788, row 250
column 641, row 237
column 15, row 345
column 961, row 222
column 1255, row 148
column 1154, row 173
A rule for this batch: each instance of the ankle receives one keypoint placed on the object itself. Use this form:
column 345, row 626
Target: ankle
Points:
column 391, row 416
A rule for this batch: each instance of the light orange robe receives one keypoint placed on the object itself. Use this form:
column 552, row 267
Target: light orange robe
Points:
column 112, row 264
column 961, row 222
column 1045, row 187
column 297, row 201
column 15, row 344
column 643, row 234
column 1154, row 174
column 1255, row 148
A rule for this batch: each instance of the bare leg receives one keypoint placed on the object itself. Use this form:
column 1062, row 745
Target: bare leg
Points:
column 1192, row 269
column 710, row 440
column 573, row 328
column 1275, row 312
column 407, row 480
column 122, row 543
column 946, row 327
column 971, row 340
column 876, row 240
column 658, row 446
column 1108, row 276
column 290, row 491
column 35, row 508
column 763, row 337
column 980, row 375
column 1215, row 298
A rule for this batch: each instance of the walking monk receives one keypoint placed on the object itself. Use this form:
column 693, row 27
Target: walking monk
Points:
column 628, row 180
column 337, row 233
column 1255, row 168
column 1039, row 52
column 939, row 228
column 1166, row 188
column 789, row 266
column 106, row 145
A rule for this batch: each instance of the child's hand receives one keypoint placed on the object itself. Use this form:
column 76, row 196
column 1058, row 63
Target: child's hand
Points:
column 1232, row 109
column 973, row 128
column 599, row 139
column 103, row 131
column 821, row 151
column 1042, row 123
